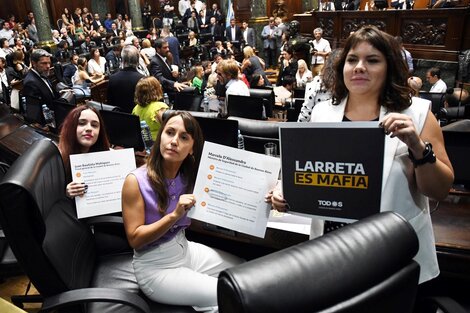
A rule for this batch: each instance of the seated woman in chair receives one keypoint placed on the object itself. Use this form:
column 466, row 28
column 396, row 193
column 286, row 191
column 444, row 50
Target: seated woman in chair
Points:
column 81, row 80
column 81, row 132
column 155, row 199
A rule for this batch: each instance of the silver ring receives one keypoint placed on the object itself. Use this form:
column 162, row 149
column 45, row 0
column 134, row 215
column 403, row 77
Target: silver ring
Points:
column 402, row 123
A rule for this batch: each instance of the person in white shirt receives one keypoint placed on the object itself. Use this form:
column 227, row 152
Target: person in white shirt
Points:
column 433, row 76
column 183, row 5
column 320, row 50
column 303, row 75
column 227, row 72
column 6, row 32
column 97, row 63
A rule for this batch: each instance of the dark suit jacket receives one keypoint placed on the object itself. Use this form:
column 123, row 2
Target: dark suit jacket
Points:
column 238, row 34
column 162, row 72
column 174, row 46
column 96, row 26
column 113, row 58
column 37, row 93
column 69, row 71
column 218, row 30
column 121, row 88
column 114, row 33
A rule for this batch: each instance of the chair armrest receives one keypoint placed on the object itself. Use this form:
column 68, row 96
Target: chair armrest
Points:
column 445, row 304
column 105, row 220
column 87, row 295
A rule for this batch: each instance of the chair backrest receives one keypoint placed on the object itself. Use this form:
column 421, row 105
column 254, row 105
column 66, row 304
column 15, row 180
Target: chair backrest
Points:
column 187, row 101
column 299, row 93
column 243, row 106
column 363, row 267
column 457, row 143
column 268, row 97
column 257, row 133
column 59, row 72
column 123, row 129
column 61, row 110
column 54, row 248
column 294, row 111
column 219, row 130
column 436, row 98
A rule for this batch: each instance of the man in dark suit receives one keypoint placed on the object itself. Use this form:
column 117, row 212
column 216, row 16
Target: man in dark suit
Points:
column 233, row 32
column 114, row 30
column 113, row 58
column 161, row 69
column 215, row 29
column 37, row 89
column 97, row 22
column 187, row 14
column 70, row 69
column 121, row 87
column 217, row 13
column 204, row 17
column 248, row 35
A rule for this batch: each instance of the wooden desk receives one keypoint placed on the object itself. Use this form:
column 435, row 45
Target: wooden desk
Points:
column 451, row 223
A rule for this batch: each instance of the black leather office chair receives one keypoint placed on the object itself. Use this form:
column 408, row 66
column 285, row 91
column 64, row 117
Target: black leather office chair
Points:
column 268, row 98
column 364, row 267
column 243, row 106
column 457, row 144
column 257, row 133
column 187, row 101
column 56, row 250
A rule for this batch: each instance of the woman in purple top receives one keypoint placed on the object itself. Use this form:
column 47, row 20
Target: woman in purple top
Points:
column 155, row 200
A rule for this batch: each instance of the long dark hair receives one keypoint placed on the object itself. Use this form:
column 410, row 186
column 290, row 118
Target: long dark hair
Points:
column 189, row 167
column 396, row 92
column 68, row 143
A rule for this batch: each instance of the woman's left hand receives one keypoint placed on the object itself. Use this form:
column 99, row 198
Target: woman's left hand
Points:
column 402, row 126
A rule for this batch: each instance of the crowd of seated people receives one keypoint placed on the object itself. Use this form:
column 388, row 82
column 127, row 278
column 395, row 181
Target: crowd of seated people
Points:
column 195, row 39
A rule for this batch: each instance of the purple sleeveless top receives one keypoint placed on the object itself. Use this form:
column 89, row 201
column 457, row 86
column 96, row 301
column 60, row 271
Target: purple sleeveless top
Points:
column 175, row 188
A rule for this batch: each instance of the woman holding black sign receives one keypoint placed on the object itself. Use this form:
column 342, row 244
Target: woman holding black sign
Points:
column 371, row 85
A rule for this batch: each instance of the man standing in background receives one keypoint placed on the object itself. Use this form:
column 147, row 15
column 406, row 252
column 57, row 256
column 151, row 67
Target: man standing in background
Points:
column 320, row 50
column 248, row 35
column 269, row 43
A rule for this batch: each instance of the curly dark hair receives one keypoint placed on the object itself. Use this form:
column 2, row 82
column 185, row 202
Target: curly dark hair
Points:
column 396, row 94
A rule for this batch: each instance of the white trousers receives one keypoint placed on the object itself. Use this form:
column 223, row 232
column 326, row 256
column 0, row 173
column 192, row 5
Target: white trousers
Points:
column 181, row 272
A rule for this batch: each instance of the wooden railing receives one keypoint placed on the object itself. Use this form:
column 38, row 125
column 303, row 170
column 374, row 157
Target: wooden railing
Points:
column 438, row 34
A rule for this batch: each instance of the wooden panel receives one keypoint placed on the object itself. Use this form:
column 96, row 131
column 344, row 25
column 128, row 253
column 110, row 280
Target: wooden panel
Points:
column 283, row 8
column 438, row 34
column 242, row 9
column 18, row 8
